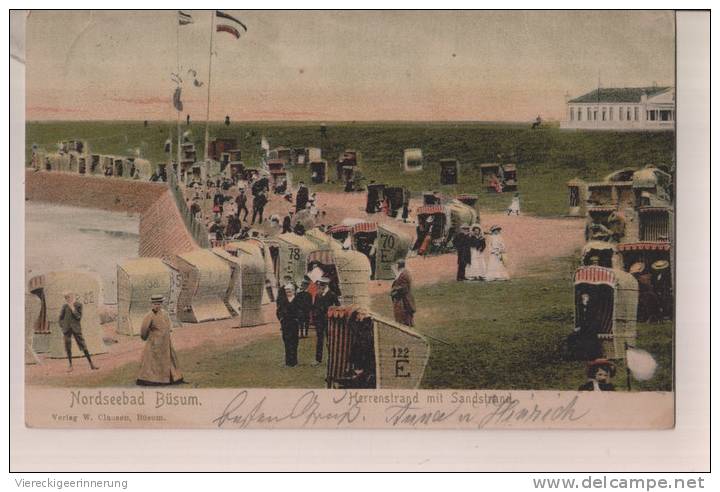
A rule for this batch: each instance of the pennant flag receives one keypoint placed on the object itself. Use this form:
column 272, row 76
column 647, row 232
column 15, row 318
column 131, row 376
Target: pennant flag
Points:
column 196, row 82
column 229, row 29
column 642, row 365
column 233, row 27
column 184, row 19
column 177, row 102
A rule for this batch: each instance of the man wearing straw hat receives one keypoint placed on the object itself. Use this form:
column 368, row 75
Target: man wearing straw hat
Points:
column 159, row 364
column 70, row 317
column 663, row 287
column 288, row 314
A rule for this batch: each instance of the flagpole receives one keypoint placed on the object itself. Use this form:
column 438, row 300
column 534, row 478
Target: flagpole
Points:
column 179, row 134
column 627, row 370
column 207, row 118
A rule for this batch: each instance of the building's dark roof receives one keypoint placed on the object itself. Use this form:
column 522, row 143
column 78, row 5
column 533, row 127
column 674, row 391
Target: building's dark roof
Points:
column 619, row 94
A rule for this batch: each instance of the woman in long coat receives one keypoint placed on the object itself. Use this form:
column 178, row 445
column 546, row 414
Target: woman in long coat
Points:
column 159, row 363
column 496, row 269
column 402, row 297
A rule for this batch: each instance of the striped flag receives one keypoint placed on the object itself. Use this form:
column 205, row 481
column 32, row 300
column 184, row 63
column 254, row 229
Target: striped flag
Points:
column 233, row 26
column 184, row 19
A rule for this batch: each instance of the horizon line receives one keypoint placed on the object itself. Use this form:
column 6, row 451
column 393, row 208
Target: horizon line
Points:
column 319, row 122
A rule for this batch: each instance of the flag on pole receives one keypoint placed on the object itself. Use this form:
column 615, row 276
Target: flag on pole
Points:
column 233, row 26
column 184, row 19
column 177, row 102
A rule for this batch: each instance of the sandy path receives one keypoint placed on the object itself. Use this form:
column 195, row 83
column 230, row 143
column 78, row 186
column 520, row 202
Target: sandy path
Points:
column 219, row 334
column 530, row 241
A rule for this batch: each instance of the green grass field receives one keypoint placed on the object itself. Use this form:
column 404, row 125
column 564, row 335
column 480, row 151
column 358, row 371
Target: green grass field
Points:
column 497, row 341
column 546, row 158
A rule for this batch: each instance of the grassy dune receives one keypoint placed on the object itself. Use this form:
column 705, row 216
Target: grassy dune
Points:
column 500, row 340
column 546, row 158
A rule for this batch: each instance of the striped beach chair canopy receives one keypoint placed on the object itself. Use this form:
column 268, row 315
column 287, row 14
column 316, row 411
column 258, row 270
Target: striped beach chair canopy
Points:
column 645, row 246
column 365, row 227
column 340, row 228
column 431, row 210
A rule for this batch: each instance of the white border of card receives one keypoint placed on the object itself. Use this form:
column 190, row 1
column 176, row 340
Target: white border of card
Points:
column 670, row 429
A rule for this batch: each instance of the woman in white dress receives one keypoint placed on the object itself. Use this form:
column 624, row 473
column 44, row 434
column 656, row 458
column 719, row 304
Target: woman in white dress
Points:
column 477, row 270
column 496, row 269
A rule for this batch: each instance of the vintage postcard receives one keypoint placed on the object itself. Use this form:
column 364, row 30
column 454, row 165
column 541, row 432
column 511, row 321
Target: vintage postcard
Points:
column 350, row 219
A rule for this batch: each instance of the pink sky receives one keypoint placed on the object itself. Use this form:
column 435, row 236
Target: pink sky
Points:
column 334, row 65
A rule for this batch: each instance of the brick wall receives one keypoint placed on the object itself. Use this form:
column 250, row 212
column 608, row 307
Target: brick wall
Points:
column 162, row 229
column 99, row 192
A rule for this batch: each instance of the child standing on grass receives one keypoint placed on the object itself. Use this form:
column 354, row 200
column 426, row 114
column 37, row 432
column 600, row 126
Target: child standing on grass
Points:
column 514, row 207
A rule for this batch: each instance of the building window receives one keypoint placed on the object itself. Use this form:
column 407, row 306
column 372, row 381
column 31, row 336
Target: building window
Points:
column 629, row 114
column 595, row 115
column 579, row 114
column 665, row 115
column 611, row 114
column 637, row 113
column 620, row 113
column 572, row 114
column 588, row 115
column 603, row 114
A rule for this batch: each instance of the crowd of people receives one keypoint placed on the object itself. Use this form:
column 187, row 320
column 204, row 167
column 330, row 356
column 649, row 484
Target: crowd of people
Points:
column 231, row 207
column 298, row 308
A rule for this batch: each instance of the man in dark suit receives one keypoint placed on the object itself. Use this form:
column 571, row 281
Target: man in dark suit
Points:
column 584, row 341
column 301, row 199
column 304, row 301
column 288, row 314
column 323, row 300
column 259, row 203
column 70, row 317
column 461, row 241
column 241, row 201
column 287, row 223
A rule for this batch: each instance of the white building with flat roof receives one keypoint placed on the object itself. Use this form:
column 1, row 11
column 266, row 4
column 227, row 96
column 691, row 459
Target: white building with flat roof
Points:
column 625, row 108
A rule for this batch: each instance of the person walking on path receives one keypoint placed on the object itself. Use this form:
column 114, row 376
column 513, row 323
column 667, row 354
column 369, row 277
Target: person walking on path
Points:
column 159, row 366
column 497, row 269
column 70, row 324
column 288, row 313
column 402, row 297
column 259, row 203
column 241, row 202
column 461, row 241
